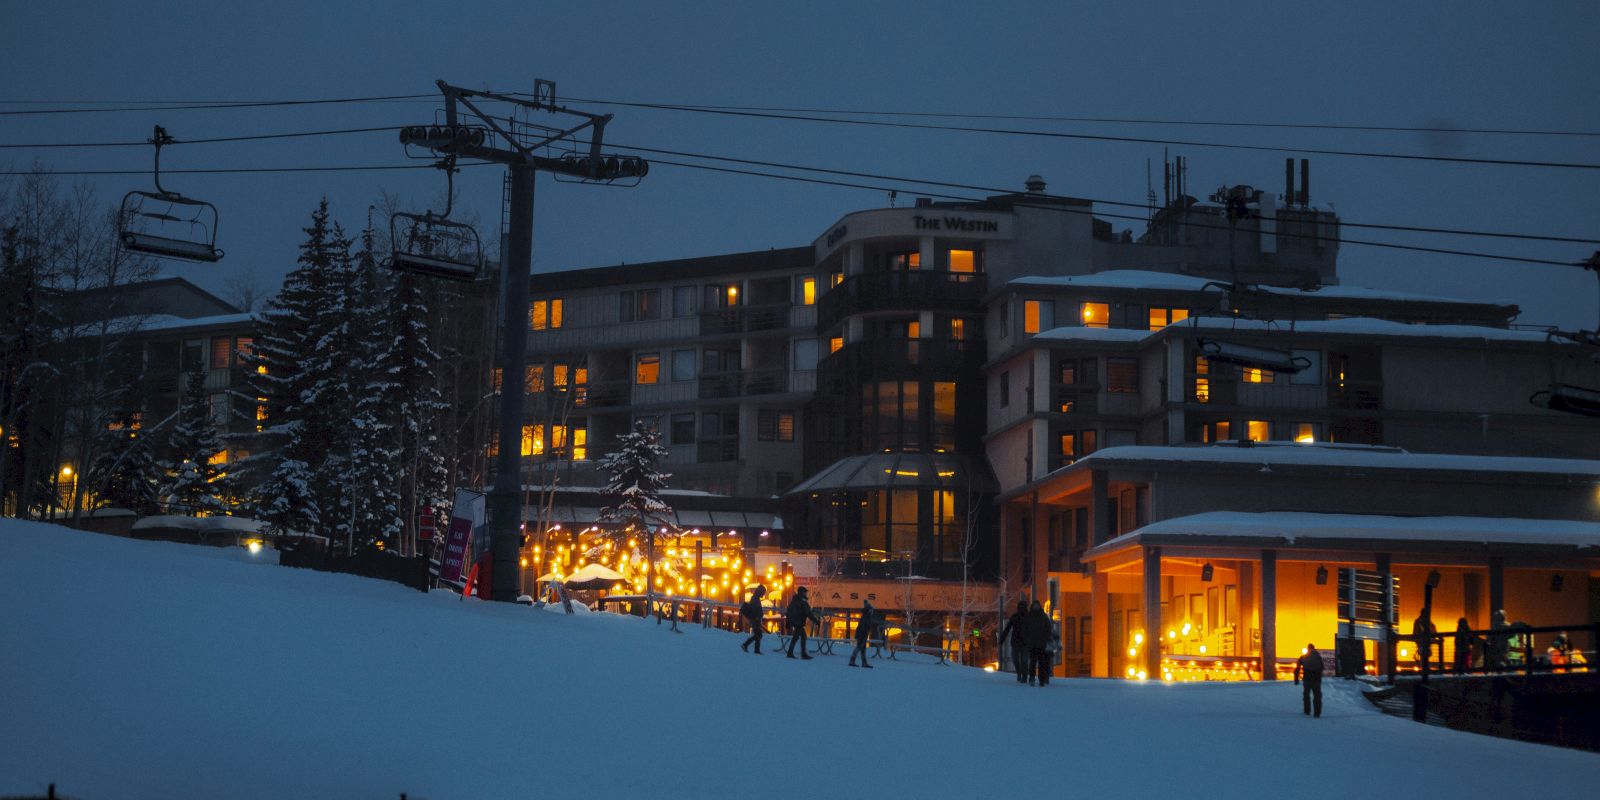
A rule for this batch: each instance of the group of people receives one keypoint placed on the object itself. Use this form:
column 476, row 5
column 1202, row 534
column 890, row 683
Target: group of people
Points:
column 1033, row 639
column 796, row 617
column 1493, row 652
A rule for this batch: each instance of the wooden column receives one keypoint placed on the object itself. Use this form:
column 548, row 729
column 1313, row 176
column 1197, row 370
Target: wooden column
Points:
column 1100, row 622
column 1269, row 615
column 1099, row 518
column 1497, row 585
column 1152, row 613
column 1386, row 654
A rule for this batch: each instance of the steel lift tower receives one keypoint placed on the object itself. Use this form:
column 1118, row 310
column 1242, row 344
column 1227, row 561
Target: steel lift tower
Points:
column 525, row 148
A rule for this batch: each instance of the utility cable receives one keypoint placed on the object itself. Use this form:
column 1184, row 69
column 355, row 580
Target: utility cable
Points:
column 1507, row 162
column 212, row 140
column 211, row 106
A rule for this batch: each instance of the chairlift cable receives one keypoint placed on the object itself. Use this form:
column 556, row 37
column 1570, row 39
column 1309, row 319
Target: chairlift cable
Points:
column 214, row 106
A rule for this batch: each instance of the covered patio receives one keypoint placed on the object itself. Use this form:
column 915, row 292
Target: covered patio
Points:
column 1237, row 595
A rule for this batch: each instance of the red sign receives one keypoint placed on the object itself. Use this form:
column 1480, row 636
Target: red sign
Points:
column 425, row 524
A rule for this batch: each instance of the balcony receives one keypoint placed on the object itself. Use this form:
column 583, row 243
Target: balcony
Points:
column 745, row 319
column 906, row 290
column 913, row 359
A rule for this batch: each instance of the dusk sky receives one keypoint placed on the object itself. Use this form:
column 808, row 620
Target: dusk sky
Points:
column 1531, row 66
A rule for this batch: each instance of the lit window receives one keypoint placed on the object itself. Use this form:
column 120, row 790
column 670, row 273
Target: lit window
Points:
column 733, row 295
column 1258, row 430
column 958, row 329
column 580, row 444
column 774, row 426
column 218, row 458
column 913, row 330
column 1030, row 316
column 835, row 344
column 533, row 440
column 1162, row 317
column 221, row 348
column 838, row 278
column 1305, row 432
column 1224, row 431
column 648, row 369
column 963, row 261
column 544, row 314
column 808, row 291
column 534, row 379
column 1069, row 444
column 558, row 377
column 1255, row 375
column 1096, row 315
column 907, row 260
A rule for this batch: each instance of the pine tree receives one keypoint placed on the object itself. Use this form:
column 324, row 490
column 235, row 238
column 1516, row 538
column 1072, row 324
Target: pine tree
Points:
column 193, row 482
column 409, row 364
column 636, row 486
column 371, row 479
column 293, row 375
column 125, row 473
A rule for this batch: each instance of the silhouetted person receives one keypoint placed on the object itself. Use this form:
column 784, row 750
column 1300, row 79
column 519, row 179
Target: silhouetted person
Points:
column 865, row 627
column 1309, row 668
column 797, row 615
column 1463, row 646
column 1422, row 629
column 1497, row 650
column 1019, row 651
column 751, row 611
column 1036, row 635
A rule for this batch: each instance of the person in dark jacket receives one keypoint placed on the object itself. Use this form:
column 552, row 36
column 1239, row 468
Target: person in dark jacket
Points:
column 865, row 628
column 1309, row 667
column 1464, row 639
column 1019, row 653
column 1036, row 636
column 751, row 611
column 797, row 615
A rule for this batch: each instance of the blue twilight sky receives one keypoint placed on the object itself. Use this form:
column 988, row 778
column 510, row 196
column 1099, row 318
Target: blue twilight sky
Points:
column 1462, row 64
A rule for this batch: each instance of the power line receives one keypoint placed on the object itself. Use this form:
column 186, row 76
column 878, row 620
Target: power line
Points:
column 212, row 140
column 219, row 170
column 1127, row 120
column 147, row 105
column 1090, row 212
column 213, row 106
column 973, row 187
column 1123, row 139
column 1100, row 201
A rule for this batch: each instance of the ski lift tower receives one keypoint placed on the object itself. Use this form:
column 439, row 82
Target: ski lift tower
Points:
column 524, row 148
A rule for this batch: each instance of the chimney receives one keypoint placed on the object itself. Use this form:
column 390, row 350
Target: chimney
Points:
column 1288, row 181
column 1305, row 182
column 1034, row 184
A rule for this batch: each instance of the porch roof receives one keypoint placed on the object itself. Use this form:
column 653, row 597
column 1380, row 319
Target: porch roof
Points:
column 1295, row 530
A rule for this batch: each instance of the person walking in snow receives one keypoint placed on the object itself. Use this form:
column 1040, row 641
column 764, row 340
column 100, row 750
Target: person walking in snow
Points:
column 865, row 627
column 751, row 612
column 1019, row 653
column 1309, row 667
column 1036, row 636
column 797, row 615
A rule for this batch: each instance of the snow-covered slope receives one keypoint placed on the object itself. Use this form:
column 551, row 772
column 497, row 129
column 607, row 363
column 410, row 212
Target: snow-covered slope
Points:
column 133, row 669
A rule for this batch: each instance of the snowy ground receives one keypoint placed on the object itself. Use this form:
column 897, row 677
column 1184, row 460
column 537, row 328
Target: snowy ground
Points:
column 136, row 669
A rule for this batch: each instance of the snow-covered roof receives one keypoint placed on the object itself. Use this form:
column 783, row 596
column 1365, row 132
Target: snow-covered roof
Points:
column 159, row 322
column 1352, row 326
column 1291, row 527
column 1271, row 454
column 1147, row 279
column 241, row 524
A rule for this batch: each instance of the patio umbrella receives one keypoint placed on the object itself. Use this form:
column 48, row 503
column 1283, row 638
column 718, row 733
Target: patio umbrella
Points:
column 593, row 576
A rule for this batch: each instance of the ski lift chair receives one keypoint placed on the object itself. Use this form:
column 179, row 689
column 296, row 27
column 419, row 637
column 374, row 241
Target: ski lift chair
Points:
column 168, row 225
column 435, row 246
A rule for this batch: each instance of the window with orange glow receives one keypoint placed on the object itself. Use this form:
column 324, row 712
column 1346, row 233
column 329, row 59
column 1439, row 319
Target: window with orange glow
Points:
column 838, row 278
column 1305, row 432
column 648, row 369
column 1162, row 317
column 808, row 291
column 1258, row 430
column 1096, row 315
column 963, row 261
column 1254, row 375
column 1030, row 316
column 219, row 457
column 534, row 382
column 835, row 344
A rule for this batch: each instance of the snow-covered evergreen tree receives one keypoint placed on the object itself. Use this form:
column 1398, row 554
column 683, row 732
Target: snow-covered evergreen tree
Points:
column 293, row 373
column 371, row 497
column 193, row 483
column 635, row 486
column 125, row 473
column 410, row 365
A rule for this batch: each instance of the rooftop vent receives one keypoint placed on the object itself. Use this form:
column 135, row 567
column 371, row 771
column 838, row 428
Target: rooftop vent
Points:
column 1034, row 184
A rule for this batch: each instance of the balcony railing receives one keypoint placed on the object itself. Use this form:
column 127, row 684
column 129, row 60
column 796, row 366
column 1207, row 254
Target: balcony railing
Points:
column 745, row 319
column 902, row 359
column 906, row 290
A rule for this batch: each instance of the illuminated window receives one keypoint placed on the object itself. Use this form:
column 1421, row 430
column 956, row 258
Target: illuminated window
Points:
column 648, row 368
column 245, row 346
column 963, row 261
column 910, row 259
column 494, row 379
column 773, row 425
column 221, row 348
column 558, row 377
column 1224, row 431
column 733, row 295
column 1096, row 315
column 1162, row 317
column 1258, row 430
column 580, row 444
column 808, row 291
column 913, row 330
column 958, row 330
column 534, row 382
column 545, row 314
column 1305, row 432
column 838, row 278
column 1030, row 316
column 1077, row 444
column 533, row 440
column 835, row 344
column 1255, row 375
column 218, row 458
column 1202, row 386
column 580, row 380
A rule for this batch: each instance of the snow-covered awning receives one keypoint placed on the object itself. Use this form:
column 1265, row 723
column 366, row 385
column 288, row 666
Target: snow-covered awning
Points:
column 901, row 471
column 1295, row 530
